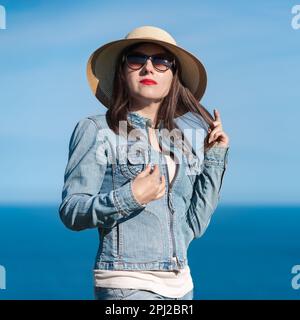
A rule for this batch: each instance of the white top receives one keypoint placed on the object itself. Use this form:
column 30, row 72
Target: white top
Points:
column 171, row 284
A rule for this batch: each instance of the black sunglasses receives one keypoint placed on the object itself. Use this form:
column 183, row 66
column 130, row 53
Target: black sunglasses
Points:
column 161, row 62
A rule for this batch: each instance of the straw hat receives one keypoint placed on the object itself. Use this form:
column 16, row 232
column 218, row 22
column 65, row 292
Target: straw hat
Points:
column 102, row 62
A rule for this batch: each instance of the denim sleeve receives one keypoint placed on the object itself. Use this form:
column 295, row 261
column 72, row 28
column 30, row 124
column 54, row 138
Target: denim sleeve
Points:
column 207, row 188
column 83, row 206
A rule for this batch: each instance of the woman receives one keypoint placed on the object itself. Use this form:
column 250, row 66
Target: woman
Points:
column 145, row 187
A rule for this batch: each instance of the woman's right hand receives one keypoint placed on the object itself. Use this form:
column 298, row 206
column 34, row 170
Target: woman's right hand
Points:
column 148, row 186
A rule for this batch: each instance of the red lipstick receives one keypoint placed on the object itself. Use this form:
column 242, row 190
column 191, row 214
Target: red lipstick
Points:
column 148, row 82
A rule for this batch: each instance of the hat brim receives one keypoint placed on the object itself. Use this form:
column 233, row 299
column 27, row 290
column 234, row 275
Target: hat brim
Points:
column 101, row 68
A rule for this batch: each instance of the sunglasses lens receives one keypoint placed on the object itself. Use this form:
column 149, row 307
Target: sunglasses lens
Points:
column 162, row 63
column 136, row 61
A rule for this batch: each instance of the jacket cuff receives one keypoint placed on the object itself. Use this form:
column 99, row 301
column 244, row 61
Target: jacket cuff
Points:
column 217, row 156
column 125, row 201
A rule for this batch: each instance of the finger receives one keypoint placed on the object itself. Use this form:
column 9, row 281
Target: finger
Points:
column 157, row 179
column 215, row 130
column 216, row 136
column 161, row 194
column 156, row 171
column 221, row 137
column 213, row 133
column 162, row 181
column 216, row 123
column 162, row 187
column 217, row 115
column 161, row 184
column 146, row 171
column 213, row 125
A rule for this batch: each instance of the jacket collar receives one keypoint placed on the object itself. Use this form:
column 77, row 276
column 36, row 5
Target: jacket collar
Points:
column 138, row 120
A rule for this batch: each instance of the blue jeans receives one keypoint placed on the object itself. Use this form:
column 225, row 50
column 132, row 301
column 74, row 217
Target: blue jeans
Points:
column 102, row 293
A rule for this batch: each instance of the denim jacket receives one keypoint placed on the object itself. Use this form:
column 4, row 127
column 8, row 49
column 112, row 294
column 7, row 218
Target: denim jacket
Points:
column 97, row 193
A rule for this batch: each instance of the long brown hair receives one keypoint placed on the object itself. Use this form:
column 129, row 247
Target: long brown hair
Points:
column 178, row 101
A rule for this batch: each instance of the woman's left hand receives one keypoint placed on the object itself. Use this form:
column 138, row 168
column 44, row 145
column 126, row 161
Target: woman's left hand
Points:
column 216, row 135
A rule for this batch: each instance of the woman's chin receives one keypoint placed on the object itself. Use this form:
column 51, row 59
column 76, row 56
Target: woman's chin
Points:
column 150, row 98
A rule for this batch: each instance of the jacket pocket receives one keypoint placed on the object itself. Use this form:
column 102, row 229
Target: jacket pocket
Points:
column 133, row 165
column 131, row 171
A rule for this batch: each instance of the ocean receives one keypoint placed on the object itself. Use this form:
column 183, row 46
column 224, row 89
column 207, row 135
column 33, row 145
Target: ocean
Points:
column 247, row 252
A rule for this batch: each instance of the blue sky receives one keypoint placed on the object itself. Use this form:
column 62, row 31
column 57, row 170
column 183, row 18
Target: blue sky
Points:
column 249, row 49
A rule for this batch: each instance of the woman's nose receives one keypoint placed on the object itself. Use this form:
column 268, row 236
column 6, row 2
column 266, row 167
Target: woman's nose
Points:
column 148, row 65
